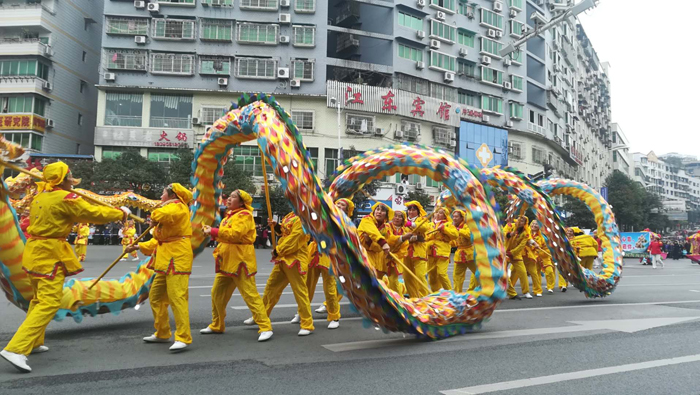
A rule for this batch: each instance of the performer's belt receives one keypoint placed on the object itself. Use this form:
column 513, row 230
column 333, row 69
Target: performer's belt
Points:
column 172, row 239
column 48, row 237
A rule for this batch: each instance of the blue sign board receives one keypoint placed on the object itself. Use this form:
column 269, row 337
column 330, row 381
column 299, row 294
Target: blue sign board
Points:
column 482, row 146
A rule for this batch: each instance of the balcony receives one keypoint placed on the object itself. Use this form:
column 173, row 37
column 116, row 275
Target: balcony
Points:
column 24, row 15
column 347, row 41
column 348, row 14
column 24, row 46
column 21, row 84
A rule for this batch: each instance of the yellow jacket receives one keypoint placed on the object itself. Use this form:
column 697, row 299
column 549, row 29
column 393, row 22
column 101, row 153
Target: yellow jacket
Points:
column 465, row 247
column 316, row 259
column 83, row 232
column 53, row 215
column 443, row 233
column 419, row 249
column 236, row 237
column 292, row 248
column 515, row 245
column 543, row 253
column 398, row 247
column 585, row 246
column 128, row 235
column 373, row 236
column 170, row 247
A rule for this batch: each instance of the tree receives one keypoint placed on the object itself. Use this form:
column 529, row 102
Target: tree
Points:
column 278, row 202
column 130, row 171
column 633, row 205
column 180, row 170
column 359, row 199
column 85, row 170
column 419, row 195
column 578, row 214
column 234, row 178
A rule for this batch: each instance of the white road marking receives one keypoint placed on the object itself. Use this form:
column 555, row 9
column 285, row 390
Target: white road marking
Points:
column 282, row 306
column 694, row 290
column 283, row 293
column 558, row 378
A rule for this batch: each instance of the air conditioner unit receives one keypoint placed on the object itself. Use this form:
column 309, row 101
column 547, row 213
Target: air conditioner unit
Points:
column 435, row 44
column 453, row 143
column 420, row 3
column 295, row 83
column 48, row 51
column 140, row 39
column 47, row 86
column 509, row 124
column 491, row 33
column 110, row 76
column 419, row 186
column 485, row 118
column 283, row 73
column 285, row 3
column 440, row 15
column 498, row 6
column 507, row 85
column 140, row 4
column 379, row 132
column 449, row 77
column 50, row 123
column 420, row 34
column 284, row 39
column 222, row 81
column 507, row 62
column 285, row 18
column 154, row 7
column 398, row 134
column 513, row 13
column 420, row 65
column 486, row 59
column 499, row 34
column 470, row 15
column 270, row 177
column 401, row 189
column 462, row 52
column 196, row 121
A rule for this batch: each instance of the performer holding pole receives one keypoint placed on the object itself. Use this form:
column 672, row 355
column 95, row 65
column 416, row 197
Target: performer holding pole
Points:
column 417, row 258
column 129, row 233
column 48, row 258
column 81, row 240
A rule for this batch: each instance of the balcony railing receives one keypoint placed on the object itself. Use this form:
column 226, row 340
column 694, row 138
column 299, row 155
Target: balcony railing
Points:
column 22, row 84
column 22, row 14
column 24, row 46
column 173, row 123
column 123, row 120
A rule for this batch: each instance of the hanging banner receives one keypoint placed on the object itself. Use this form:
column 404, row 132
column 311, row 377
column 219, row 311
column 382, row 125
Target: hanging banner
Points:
column 635, row 243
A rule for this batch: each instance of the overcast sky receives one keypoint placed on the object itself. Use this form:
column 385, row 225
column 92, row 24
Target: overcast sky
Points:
column 654, row 57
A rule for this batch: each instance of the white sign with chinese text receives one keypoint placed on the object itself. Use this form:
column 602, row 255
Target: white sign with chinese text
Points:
column 143, row 137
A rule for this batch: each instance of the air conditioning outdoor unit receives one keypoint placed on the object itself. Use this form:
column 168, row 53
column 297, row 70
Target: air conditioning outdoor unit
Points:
column 140, row 4
column 398, row 134
column 435, row 44
column 110, row 76
column 285, row 18
column 379, row 132
column 140, row 39
column 48, row 51
column 470, row 15
column 491, row 33
column 154, row 7
column 498, row 6
column 513, row 13
column 440, row 15
column 486, row 59
column 485, row 118
column 295, row 83
column 284, row 39
column 507, row 85
column 462, row 52
column 420, row 65
column 420, row 34
column 270, row 177
column 401, row 189
column 285, row 3
column 283, row 73
column 419, row 186
column 420, row 3
column 499, row 34
column 50, row 123
column 449, row 77
column 507, row 62
column 47, row 86
column 453, row 143
column 195, row 121
column 509, row 124
column 223, row 81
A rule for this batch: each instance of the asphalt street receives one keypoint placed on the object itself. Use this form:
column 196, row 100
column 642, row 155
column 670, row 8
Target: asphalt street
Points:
column 643, row 339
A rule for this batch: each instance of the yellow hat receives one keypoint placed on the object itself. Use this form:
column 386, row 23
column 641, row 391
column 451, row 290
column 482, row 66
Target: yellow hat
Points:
column 246, row 199
column 421, row 210
column 389, row 211
column 462, row 213
column 183, row 193
column 54, row 174
column 445, row 210
column 350, row 204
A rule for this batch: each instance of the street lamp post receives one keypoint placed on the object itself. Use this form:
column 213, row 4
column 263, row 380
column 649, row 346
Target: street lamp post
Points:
column 335, row 102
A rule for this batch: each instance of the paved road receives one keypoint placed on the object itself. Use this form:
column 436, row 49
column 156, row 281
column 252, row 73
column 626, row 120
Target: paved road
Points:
column 642, row 339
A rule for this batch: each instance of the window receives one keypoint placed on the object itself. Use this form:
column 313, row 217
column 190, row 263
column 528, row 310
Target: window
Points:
column 446, row 4
column 303, row 69
column 247, row 159
column 442, row 30
column 466, row 68
column 123, row 59
column 214, row 65
column 257, row 33
column 162, row 155
column 516, row 110
column 172, row 63
column 304, row 36
column 127, row 26
column 410, row 53
column 259, row 68
column 517, row 56
column 442, row 136
column 212, row 114
column 465, row 38
column 266, row 5
column 430, row 183
column 408, row 179
column 39, row 106
column 18, row 104
column 80, row 119
column 123, row 109
column 331, row 160
column 442, row 61
column 491, row 47
column 37, row 142
column 313, row 153
column 24, row 67
column 468, row 98
column 410, row 21
column 173, row 29
column 516, row 28
column 490, row 18
column 171, row 111
column 305, row 6
column 83, row 86
column 303, row 119
column 516, row 4
column 491, row 76
column 21, row 139
column 176, row 2
column 443, row 92
column 84, row 56
column 359, row 124
column 516, row 82
column 464, row 8
column 538, row 155
column 216, row 30
column 412, row 84
column 492, row 104
column 516, row 150
column 222, row 3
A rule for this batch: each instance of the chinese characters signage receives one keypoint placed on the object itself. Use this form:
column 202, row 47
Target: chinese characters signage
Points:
column 22, row 122
column 634, row 243
column 143, row 137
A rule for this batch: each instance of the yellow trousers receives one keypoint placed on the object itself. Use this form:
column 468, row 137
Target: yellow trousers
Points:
column 42, row 309
column 133, row 254
column 460, row 273
column 549, row 276
column 171, row 290
column 221, row 294
column 417, row 288
column 329, row 289
column 81, row 251
column 562, row 280
column 534, row 273
column 437, row 274
column 280, row 276
column 392, row 280
column 587, row 262
column 518, row 272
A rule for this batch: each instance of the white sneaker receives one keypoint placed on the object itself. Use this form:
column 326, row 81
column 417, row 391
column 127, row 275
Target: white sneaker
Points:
column 178, row 346
column 265, row 336
column 538, row 295
column 305, row 332
column 154, row 339
column 322, row 309
column 296, row 319
column 39, row 350
column 209, row 331
column 135, row 259
column 123, row 259
column 551, row 291
column 19, row 361
column 527, row 296
column 334, row 324
column 249, row 321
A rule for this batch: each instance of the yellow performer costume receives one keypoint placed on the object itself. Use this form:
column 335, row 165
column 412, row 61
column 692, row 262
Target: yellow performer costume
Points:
column 544, row 256
column 464, row 256
column 81, row 240
column 376, row 237
column 443, row 233
column 531, row 261
column 291, row 258
column 417, row 257
column 585, row 247
column 129, row 235
column 48, row 258
column 399, row 246
column 171, row 258
column 236, row 265
column 517, row 235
